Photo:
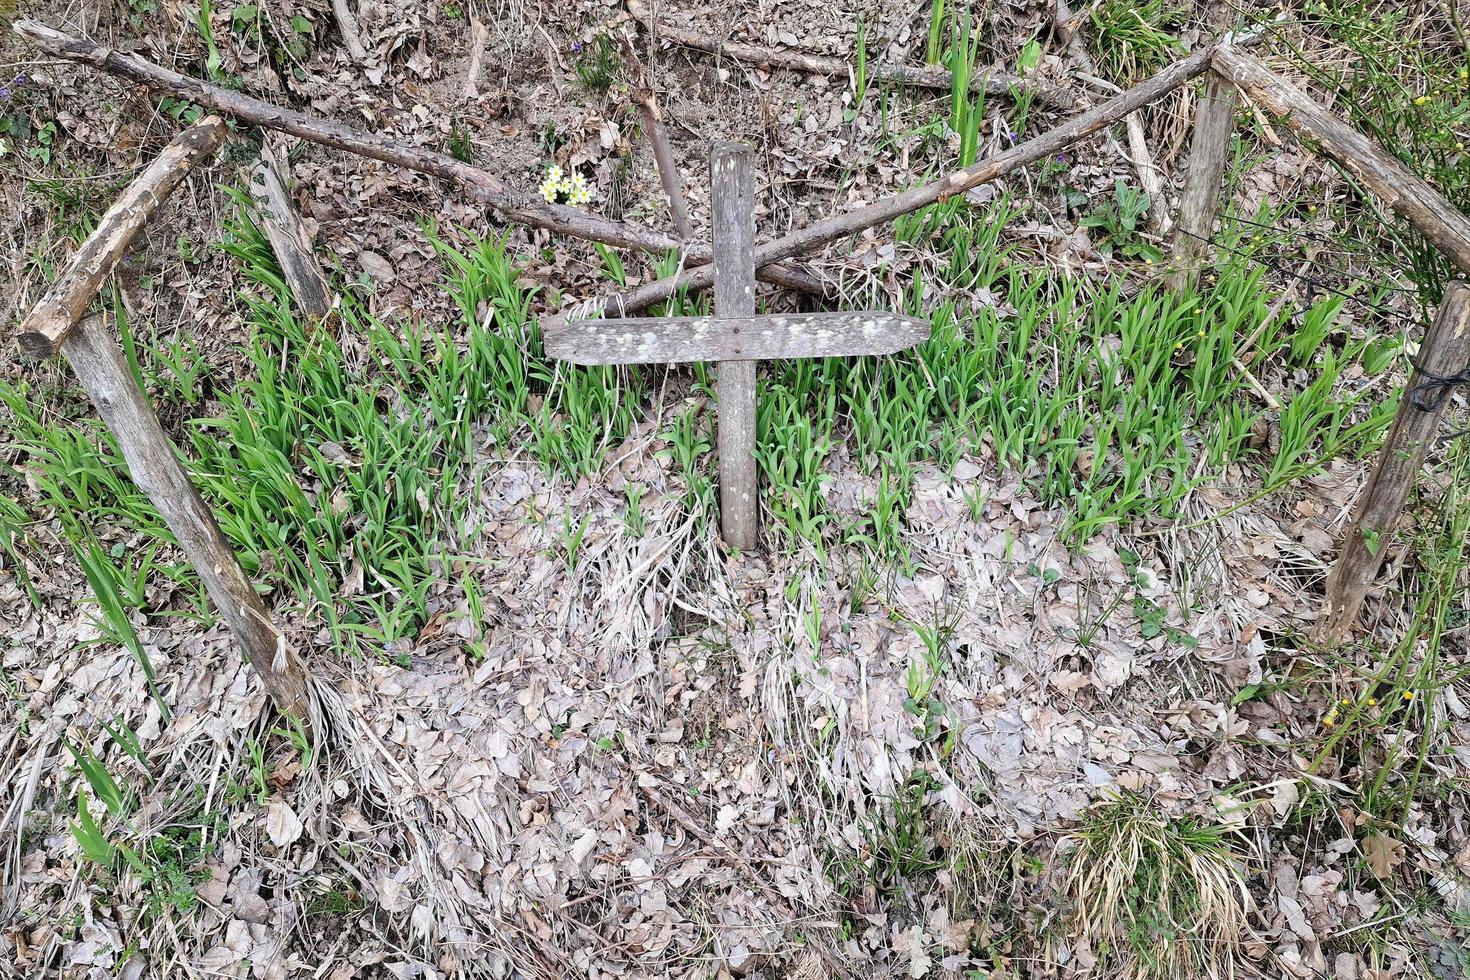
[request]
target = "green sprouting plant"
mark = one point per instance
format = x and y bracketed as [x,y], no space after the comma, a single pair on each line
[203,22]
[932,51]
[1131,39]
[596,64]
[901,847]
[922,676]
[460,146]
[690,449]
[1118,224]
[966,108]
[103,576]
[178,374]
[13,539]
[633,516]
[571,537]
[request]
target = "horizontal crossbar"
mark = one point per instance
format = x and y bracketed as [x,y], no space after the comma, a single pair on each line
[681,339]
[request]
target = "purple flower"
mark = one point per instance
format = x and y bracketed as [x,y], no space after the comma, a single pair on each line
[1012,135]
[4,93]
[576,46]
[1061,158]
[21,80]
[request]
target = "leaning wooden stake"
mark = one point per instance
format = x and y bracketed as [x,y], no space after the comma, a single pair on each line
[510,202]
[1378,171]
[46,327]
[289,240]
[1444,353]
[732,195]
[658,141]
[153,461]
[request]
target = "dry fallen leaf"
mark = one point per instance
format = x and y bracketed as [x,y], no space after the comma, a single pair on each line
[1383,854]
[281,823]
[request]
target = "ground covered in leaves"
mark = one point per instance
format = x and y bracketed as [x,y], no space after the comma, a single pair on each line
[1020,682]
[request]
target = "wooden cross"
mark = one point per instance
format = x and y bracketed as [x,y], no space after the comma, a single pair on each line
[735,337]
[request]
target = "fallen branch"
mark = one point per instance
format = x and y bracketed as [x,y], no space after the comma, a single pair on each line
[991,83]
[1395,184]
[42,332]
[510,203]
[840,226]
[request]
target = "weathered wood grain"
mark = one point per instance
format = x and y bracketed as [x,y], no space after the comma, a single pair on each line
[838,226]
[281,223]
[42,332]
[153,461]
[732,195]
[682,340]
[1209,148]
[510,202]
[1377,170]
[1445,352]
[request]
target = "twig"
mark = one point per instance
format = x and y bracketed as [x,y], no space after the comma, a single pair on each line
[1148,173]
[511,203]
[288,238]
[989,82]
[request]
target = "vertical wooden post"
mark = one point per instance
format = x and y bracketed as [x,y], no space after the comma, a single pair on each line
[732,193]
[1209,146]
[154,464]
[1445,352]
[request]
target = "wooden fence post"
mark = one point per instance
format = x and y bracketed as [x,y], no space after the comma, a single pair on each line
[1444,353]
[732,194]
[1209,146]
[152,460]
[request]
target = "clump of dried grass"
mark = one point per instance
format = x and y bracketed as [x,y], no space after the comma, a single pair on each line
[1156,895]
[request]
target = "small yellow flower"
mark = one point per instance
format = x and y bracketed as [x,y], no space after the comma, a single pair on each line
[554,174]
[1200,334]
[1329,721]
[550,189]
[1408,695]
[1372,702]
[1459,146]
[578,192]
[1421,100]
